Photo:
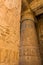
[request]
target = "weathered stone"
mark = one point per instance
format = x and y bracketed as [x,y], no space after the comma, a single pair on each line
[9,31]
[29,51]
[40,35]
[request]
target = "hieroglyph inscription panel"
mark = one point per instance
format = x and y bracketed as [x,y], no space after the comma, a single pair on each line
[9,31]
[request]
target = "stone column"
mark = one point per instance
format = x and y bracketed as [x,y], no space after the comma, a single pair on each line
[9,31]
[40,34]
[29,49]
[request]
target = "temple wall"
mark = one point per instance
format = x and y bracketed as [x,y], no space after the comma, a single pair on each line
[9,31]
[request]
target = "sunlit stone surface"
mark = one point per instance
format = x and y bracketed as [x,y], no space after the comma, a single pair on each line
[9,31]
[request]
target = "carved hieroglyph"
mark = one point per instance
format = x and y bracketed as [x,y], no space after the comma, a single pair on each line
[11,3]
[9,31]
